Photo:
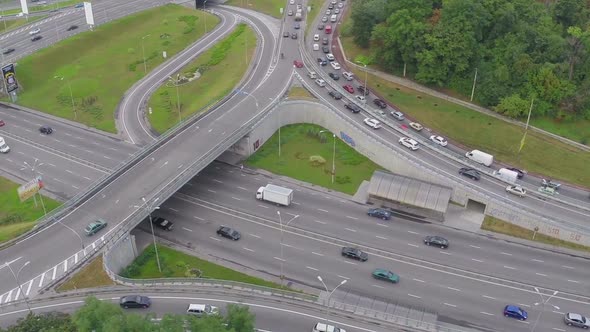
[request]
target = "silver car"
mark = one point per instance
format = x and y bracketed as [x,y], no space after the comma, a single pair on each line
[576,320]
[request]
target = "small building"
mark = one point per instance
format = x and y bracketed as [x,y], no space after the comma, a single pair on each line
[409,195]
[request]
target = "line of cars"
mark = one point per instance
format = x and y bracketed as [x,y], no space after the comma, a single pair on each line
[35,35]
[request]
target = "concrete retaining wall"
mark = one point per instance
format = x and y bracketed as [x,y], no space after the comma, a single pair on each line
[121,254]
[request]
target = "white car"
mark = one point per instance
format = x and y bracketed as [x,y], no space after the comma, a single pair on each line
[416,126]
[438,140]
[381,113]
[372,123]
[330,57]
[409,143]
[291,2]
[362,99]
[516,190]
[316,37]
[336,11]
[335,65]
[328,12]
[340,5]
[320,82]
[34,31]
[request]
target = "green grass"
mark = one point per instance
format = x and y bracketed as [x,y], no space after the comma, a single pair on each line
[176,264]
[39,8]
[503,227]
[91,276]
[302,141]
[221,69]
[298,92]
[577,130]
[269,7]
[15,217]
[315,5]
[13,24]
[100,66]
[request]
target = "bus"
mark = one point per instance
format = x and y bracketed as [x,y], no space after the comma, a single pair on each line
[328,29]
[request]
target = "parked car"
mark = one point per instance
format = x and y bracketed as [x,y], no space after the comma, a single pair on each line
[72,27]
[355,253]
[408,143]
[386,275]
[518,171]
[352,107]
[8,51]
[516,190]
[45,130]
[434,240]
[334,76]
[416,126]
[316,37]
[470,173]
[576,320]
[163,223]
[135,301]
[229,233]
[298,64]
[515,312]
[398,115]
[380,103]
[36,37]
[439,140]
[335,94]
[373,123]
[348,88]
[379,213]
[95,226]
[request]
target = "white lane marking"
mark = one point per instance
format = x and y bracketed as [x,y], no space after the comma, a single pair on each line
[486,313]
[292,214]
[237,199]
[107,157]
[413,245]
[574,281]
[66,265]
[215,180]
[263,206]
[323,210]
[87,178]
[506,253]
[541,274]
[383,225]
[509,267]
[41,280]
[477,260]
[380,237]
[343,277]
[350,230]
[295,203]
[67,170]
[173,209]
[557,329]
[411,232]
[243,188]
[445,252]
[317,253]
[248,249]
[489,297]
[212,191]
[476,247]
[418,280]
[567,267]
[180,166]
[279,259]
[558,312]
[377,286]
[450,305]
[416,296]
[523,305]
[353,218]
[311,268]
[17,293]
[349,262]
[538,261]
[455,289]
[214,238]
[54,272]
[29,288]
[254,235]
[199,218]
[320,222]
[187,229]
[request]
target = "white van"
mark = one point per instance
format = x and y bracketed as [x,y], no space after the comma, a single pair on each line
[333,18]
[480,157]
[506,175]
[202,310]
[3,147]
[321,327]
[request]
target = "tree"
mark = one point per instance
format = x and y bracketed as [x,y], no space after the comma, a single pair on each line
[49,322]
[239,318]
[365,15]
[513,106]
[577,40]
[95,314]
[208,324]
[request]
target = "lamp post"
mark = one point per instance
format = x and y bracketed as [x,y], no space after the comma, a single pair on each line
[282,259]
[18,283]
[149,208]
[61,78]
[333,154]
[329,295]
[143,52]
[175,82]
[365,91]
[543,303]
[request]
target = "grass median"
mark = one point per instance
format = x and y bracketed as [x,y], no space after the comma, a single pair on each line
[101,65]
[205,80]
[90,276]
[18,217]
[306,155]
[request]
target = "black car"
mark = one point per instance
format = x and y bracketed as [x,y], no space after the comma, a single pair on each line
[286,34]
[297,26]
[8,51]
[355,253]
[37,37]
[379,213]
[325,49]
[72,27]
[438,241]
[321,27]
[294,35]
[380,103]
[336,95]
[518,171]
[334,76]
[322,62]
[470,173]
[229,233]
[352,107]
[135,301]
[163,223]
[361,89]
[325,41]
[45,130]
[330,6]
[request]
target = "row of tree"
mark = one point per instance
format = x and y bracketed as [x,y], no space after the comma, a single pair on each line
[102,316]
[521,49]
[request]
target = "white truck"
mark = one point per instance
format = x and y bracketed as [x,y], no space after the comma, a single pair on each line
[298,17]
[275,194]
[3,147]
[506,175]
[480,157]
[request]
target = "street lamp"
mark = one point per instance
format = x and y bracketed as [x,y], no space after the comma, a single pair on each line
[143,52]
[61,78]
[282,259]
[20,288]
[175,83]
[365,91]
[542,303]
[333,154]
[149,208]
[329,295]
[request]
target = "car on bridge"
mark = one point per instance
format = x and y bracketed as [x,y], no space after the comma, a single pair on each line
[135,301]
[515,312]
[95,226]
[470,173]
[435,240]
[335,65]
[229,233]
[382,274]
[355,253]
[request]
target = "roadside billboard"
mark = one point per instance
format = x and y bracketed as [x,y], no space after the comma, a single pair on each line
[9,76]
[88,12]
[24,7]
[29,189]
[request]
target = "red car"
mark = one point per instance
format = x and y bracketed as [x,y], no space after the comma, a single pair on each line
[298,64]
[348,88]
[2,123]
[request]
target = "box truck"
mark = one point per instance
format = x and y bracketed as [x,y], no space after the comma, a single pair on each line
[480,157]
[506,175]
[275,194]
